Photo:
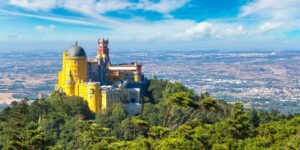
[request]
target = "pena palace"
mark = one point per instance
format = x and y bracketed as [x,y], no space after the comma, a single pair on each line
[98,81]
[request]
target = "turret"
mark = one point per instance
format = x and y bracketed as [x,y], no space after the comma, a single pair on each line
[94,96]
[69,84]
[103,49]
[76,62]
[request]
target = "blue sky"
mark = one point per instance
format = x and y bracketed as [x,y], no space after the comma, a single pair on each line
[150,24]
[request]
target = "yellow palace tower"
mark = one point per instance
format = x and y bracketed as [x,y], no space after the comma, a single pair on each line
[73,77]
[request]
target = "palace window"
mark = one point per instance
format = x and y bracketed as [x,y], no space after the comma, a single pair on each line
[91,91]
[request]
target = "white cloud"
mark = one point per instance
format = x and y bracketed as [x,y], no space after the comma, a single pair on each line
[35,5]
[121,29]
[267,15]
[39,28]
[81,6]
[109,5]
[95,7]
[45,28]
[269,26]
[78,21]
[224,30]
[163,6]
[200,31]
[207,30]
[272,9]
[233,32]
[152,31]
[272,15]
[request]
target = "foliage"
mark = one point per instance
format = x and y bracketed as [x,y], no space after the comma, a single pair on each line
[156,89]
[158,132]
[174,118]
[239,123]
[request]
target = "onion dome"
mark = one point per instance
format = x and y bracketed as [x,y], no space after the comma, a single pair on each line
[76,51]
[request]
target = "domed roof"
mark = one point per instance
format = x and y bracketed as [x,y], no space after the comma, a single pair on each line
[76,51]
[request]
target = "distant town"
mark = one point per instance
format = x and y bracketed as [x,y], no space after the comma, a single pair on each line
[259,79]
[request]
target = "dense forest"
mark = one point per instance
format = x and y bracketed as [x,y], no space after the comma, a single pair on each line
[173,117]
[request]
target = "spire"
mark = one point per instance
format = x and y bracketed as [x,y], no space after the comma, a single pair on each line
[103,50]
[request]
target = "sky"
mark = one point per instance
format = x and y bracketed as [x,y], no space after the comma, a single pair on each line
[150,24]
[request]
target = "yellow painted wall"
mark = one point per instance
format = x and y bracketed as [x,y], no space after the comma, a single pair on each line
[69,89]
[78,67]
[61,77]
[94,97]
[104,100]
[91,92]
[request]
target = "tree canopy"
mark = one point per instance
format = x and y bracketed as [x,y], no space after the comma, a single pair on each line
[175,117]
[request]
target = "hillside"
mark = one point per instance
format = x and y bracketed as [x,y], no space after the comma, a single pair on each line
[173,117]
